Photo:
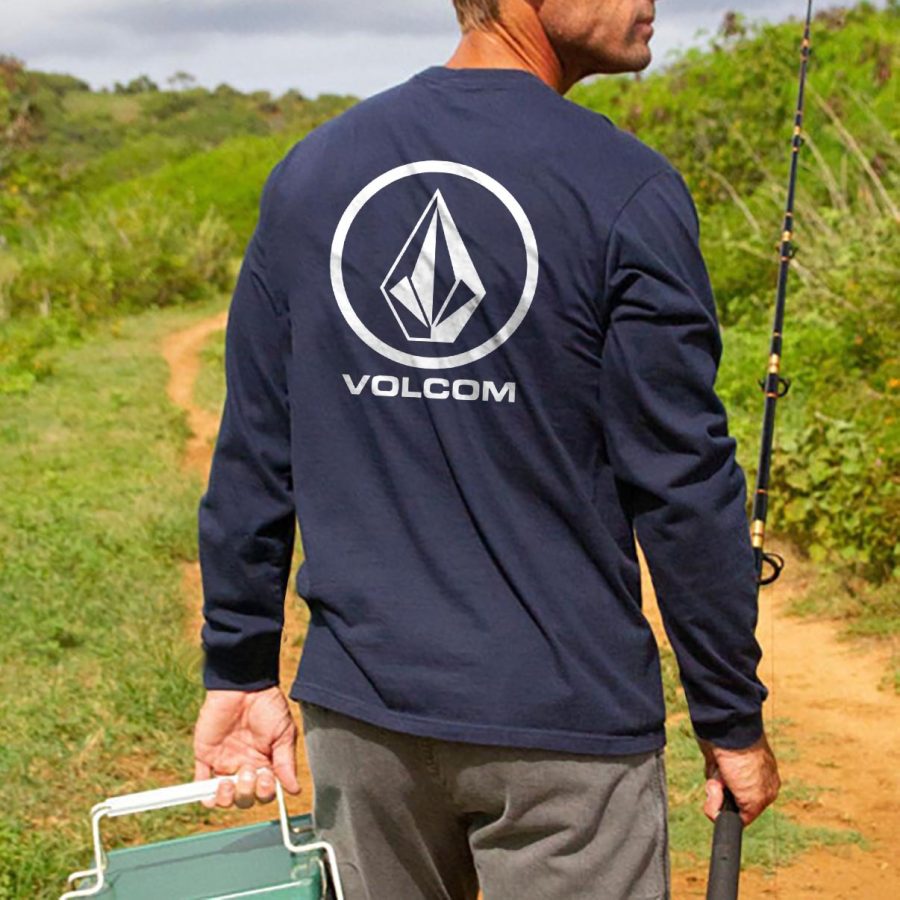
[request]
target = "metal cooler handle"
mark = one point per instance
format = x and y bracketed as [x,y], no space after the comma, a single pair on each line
[192,792]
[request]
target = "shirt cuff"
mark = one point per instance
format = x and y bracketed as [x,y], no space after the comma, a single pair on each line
[229,670]
[733,734]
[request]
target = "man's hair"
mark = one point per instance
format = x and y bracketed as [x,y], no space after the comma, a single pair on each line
[473,14]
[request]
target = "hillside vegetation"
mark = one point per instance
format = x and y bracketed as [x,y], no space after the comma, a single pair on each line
[111,203]
[116,202]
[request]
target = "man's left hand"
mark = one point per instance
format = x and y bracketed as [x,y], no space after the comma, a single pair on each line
[751,774]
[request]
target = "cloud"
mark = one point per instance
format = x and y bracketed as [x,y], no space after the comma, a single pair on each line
[674,9]
[358,46]
[153,18]
[76,43]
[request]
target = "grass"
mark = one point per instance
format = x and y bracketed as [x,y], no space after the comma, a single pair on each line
[98,688]
[209,392]
[229,177]
[868,612]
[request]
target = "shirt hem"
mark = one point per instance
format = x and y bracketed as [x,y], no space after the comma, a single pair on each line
[472,733]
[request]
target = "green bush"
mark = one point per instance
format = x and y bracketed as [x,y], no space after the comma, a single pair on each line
[124,260]
[837,496]
[229,177]
[27,350]
[69,141]
[835,479]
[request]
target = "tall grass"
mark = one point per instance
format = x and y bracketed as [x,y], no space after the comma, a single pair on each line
[123,259]
[116,261]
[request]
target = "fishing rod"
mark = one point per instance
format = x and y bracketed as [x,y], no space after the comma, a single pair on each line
[725,858]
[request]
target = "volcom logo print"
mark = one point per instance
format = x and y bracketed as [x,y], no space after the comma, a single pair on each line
[440,291]
[433,257]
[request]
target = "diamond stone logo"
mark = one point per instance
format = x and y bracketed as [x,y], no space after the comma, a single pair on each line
[433,287]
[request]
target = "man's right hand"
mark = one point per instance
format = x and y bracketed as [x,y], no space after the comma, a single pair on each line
[751,774]
[239,732]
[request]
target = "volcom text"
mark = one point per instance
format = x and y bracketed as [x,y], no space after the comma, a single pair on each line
[431,388]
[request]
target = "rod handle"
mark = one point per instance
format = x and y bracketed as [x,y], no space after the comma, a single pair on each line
[725,859]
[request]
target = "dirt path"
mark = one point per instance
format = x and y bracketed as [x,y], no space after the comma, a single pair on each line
[181,350]
[845,732]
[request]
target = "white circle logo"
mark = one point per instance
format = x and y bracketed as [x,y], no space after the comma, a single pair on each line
[411,296]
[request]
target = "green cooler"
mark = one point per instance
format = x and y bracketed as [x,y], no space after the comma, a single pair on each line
[280,858]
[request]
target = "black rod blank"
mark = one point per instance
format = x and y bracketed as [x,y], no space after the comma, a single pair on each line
[775,386]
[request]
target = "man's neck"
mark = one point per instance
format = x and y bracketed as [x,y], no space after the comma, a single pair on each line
[518,42]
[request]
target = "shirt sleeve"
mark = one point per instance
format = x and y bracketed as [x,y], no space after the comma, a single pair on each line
[667,438]
[246,517]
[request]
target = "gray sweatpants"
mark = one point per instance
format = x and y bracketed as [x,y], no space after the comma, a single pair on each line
[416,818]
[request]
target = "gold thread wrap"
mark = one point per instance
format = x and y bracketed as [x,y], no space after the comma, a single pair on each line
[757,533]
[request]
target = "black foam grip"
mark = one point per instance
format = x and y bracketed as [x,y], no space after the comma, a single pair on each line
[725,860]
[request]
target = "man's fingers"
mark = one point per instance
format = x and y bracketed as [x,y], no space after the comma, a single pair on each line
[284,761]
[242,789]
[201,773]
[749,815]
[751,805]
[752,810]
[265,785]
[225,793]
[245,790]
[715,797]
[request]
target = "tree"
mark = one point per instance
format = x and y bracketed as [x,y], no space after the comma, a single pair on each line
[181,81]
[141,85]
[10,69]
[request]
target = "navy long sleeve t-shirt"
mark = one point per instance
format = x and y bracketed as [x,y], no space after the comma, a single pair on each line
[471,350]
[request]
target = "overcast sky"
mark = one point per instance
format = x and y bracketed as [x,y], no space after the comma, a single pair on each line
[317,46]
